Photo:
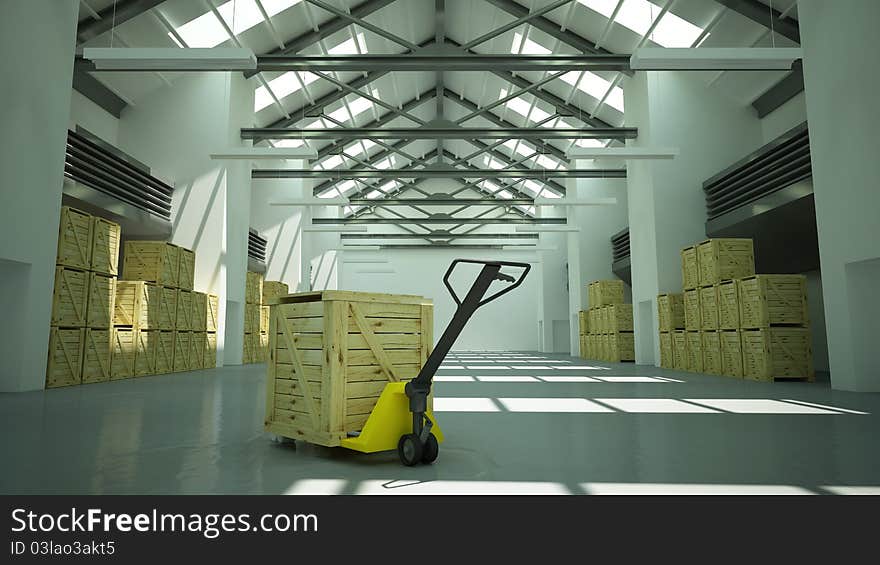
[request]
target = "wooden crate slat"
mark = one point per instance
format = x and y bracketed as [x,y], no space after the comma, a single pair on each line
[96,356]
[122,354]
[105,246]
[64,362]
[74,239]
[101,301]
[70,298]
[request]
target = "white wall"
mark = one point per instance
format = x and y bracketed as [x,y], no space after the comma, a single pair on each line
[280,225]
[510,323]
[666,201]
[782,119]
[37,39]
[839,44]
[173,131]
[85,113]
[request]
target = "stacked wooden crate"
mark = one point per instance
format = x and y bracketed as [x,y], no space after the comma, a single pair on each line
[81,331]
[709,271]
[584,334]
[253,301]
[609,323]
[670,314]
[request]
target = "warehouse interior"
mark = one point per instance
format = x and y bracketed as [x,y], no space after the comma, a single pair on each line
[681,194]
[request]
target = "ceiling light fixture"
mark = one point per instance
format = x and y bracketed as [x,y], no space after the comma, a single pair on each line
[170,59]
[714,59]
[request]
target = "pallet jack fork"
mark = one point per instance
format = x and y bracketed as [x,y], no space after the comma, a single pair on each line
[401,414]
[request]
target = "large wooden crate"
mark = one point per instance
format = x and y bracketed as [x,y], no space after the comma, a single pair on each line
[253,288]
[101,301]
[728,305]
[182,351]
[273,290]
[184,318]
[70,298]
[777,353]
[709,308]
[96,356]
[731,353]
[679,350]
[122,353]
[712,362]
[153,261]
[264,319]
[165,352]
[197,350]
[212,313]
[199,314]
[769,300]
[690,268]
[692,319]
[619,318]
[666,350]
[694,352]
[670,312]
[621,346]
[251,318]
[74,239]
[593,322]
[602,351]
[137,305]
[64,364]
[209,354]
[583,323]
[331,354]
[146,343]
[604,293]
[725,258]
[186,265]
[105,246]
[168,308]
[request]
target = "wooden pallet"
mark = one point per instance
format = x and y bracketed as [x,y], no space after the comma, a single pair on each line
[619,318]
[186,265]
[728,305]
[212,313]
[777,353]
[666,350]
[70,298]
[670,312]
[679,350]
[708,308]
[184,319]
[74,239]
[122,353]
[604,293]
[712,360]
[165,352]
[731,353]
[273,290]
[331,354]
[182,351]
[97,353]
[770,300]
[146,343]
[153,261]
[105,246]
[722,259]
[690,268]
[694,352]
[101,301]
[253,288]
[692,318]
[64,366]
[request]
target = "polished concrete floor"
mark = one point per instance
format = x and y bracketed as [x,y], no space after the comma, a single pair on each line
[514,423]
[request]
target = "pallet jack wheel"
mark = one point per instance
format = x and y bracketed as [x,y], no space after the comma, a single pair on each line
[431,450]
[410,450]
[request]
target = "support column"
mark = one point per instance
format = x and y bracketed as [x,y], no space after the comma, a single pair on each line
[38,39]
[667,209]
[839,60]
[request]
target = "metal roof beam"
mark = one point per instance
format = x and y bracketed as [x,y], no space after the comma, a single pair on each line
[429,132]
[766,16]
[114,15]
[439,173]
[439,219]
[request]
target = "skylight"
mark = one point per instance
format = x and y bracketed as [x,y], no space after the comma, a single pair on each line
[358,106]
[286,84]
[240,15]
[638,15]
[590,83]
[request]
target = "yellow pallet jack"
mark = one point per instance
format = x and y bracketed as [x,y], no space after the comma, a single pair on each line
[401,417]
